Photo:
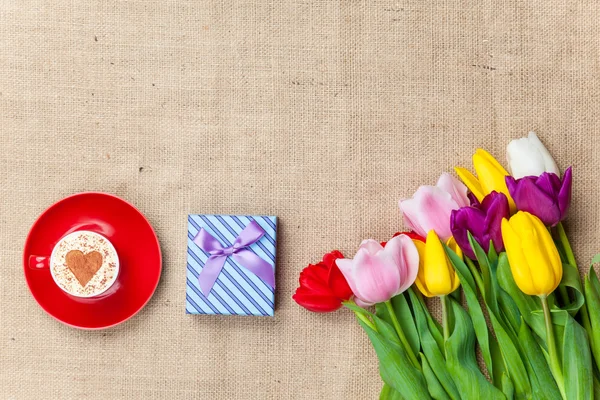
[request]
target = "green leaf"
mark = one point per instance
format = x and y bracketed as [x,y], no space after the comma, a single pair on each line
[498,365]
[436,390]
[455,295]
[388,393]
[475,311]
[509,310]
[405,319]
[360,310]
[542,381]
[394,365]
[512,358]
[434,327]
[431,350]
[577,362]
[596,259]
[594,279]
[507,340]
[572,279]
[488,275]
[475,273]
[529,306]
[592,296]
[596,388]
[461,361]
[492,254]
[386,330]
[507,386]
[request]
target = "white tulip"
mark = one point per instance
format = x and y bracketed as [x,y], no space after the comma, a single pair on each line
[528,157]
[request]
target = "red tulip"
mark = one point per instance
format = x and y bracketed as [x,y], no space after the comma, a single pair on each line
[323,288]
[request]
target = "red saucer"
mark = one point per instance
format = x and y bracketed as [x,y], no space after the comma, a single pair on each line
[135,242]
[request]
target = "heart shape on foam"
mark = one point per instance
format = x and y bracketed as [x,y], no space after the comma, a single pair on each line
[83,266]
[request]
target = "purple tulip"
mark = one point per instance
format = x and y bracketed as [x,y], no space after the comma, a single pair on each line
[483,220]
[546,196]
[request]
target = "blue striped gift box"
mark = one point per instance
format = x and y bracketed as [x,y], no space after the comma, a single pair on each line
[237,291]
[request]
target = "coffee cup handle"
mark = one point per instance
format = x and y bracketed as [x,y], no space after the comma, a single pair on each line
[39,262]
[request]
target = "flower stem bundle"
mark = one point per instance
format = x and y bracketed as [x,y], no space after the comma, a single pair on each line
[492,253]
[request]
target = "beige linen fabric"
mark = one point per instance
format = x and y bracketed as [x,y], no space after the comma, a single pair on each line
[324,113]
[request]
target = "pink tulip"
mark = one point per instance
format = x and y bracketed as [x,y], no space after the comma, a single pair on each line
[431,206]
[377,273]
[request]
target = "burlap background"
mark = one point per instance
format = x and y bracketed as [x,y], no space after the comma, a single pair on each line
[323,113]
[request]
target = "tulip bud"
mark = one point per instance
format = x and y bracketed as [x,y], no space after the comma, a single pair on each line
[529,157]
[436,276]
[490,177]
[483,221]
[323,288]
[532,254]
[430,207]
[378,273]
[545,196]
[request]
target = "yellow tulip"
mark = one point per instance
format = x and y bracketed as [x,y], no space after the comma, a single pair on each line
[532,254]
[436,276]
[490,177]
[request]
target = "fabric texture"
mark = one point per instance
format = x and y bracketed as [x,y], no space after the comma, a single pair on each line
[323,113]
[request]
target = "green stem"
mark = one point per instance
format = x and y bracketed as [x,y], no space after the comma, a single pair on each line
[366,320]
[476,275]
[350,304]
[555,364]
[400,332]
[564,295]
[445,321]
[564,240]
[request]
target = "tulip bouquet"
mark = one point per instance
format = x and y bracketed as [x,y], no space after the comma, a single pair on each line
[493,253]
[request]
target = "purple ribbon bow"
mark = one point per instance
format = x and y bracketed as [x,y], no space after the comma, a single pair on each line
[239,252]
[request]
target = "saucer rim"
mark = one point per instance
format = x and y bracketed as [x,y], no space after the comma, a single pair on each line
[26,259]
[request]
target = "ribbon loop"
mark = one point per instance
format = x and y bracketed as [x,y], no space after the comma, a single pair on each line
[238,251]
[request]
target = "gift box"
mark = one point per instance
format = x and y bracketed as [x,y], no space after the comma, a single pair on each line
[231,265]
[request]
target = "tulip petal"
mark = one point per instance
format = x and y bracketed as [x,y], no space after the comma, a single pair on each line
[362,303]
[346,267]
[465,220]
[550,251]
[329,258]
[316,302]
[564,196]
[377,277]
[406,257]
[410,212]
[537,255]
[314,278]
[437,274]
[337,284]
[548,161]
[483,158]
[532,199]
[524,158]
[457,190]
[518,264]
[420,280]
[471,181]
[453,245]
[429,209]
[455,282]
[371,246]
[491,175]
[495,206]
[473,199]
[549,183]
